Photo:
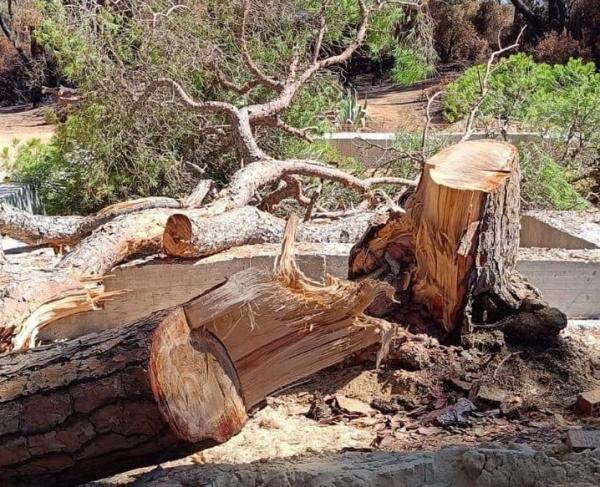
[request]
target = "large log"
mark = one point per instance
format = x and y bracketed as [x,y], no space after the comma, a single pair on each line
[452,255]
[94,406]
[175,382]
[193,234]
[32,298]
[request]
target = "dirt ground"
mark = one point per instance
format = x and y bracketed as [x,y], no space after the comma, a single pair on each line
[392,108]
[18,125]
[413,404]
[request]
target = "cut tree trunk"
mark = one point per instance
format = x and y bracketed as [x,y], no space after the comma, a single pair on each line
[59,231]
[452,255]
[175,382]
[108,402]
[33,298]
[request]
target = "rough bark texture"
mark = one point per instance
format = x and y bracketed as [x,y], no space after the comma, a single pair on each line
[113,242]
[452,256]
[177,381]
[193,235]
[68,230]
[107,402]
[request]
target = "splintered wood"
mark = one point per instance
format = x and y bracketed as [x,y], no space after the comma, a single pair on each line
[453,252]
[282,326]
[177,381]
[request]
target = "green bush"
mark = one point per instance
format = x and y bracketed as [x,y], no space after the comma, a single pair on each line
[561,101]
[410,67]
[112,150]
[545,184]
[538,95]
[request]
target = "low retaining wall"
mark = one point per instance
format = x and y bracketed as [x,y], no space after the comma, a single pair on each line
[571,285]
[372,147]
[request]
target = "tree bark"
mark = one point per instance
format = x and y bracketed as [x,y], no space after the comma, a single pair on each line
[59,231]
[452,256]
[177,381]
[87,408]
[192,235]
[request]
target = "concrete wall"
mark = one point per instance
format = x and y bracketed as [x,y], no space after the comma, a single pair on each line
[572,286]
[536,233]
[371,148]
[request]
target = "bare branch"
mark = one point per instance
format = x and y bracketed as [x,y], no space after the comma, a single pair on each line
[319,42]
[484,84]
[313,202]
[289,187]
[289,91]
[246,181]
[296,132]
[204,106]
[430,100]
[240,90]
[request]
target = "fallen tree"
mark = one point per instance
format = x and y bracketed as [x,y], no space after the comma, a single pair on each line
[99,242]
[449,257]
[177,381]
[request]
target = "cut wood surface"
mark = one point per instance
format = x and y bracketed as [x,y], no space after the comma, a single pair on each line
[142,394]
[194,235]
[177,381]
[454,251]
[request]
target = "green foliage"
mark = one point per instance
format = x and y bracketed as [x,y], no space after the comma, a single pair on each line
[353,112]
[112,149]
[410,67]
[559,98]
[512,86]
[562,101]
[545,183]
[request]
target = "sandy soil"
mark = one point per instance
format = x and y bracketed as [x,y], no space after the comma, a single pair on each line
[526,398]
[18,125]
[391,108]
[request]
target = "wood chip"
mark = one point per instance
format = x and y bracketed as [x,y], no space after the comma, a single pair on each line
[354,405]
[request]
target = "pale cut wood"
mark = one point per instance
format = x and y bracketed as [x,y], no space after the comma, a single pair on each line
[454,251]
[33,298]
[108,402]
[280,327]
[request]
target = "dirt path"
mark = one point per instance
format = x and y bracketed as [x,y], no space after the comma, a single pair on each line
[391,108]
[18,125]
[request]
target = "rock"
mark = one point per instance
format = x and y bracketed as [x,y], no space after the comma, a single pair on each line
[452,415]
[429,430]
[579,439]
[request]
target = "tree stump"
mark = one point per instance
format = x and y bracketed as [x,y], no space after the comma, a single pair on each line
[451,257]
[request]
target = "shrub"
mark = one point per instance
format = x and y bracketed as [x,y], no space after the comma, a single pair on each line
[113,150]
[545,184]
[562,101]
[410,67]
[455,36]
[558,47]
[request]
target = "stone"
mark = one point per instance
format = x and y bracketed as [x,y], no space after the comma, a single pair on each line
[579,439]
